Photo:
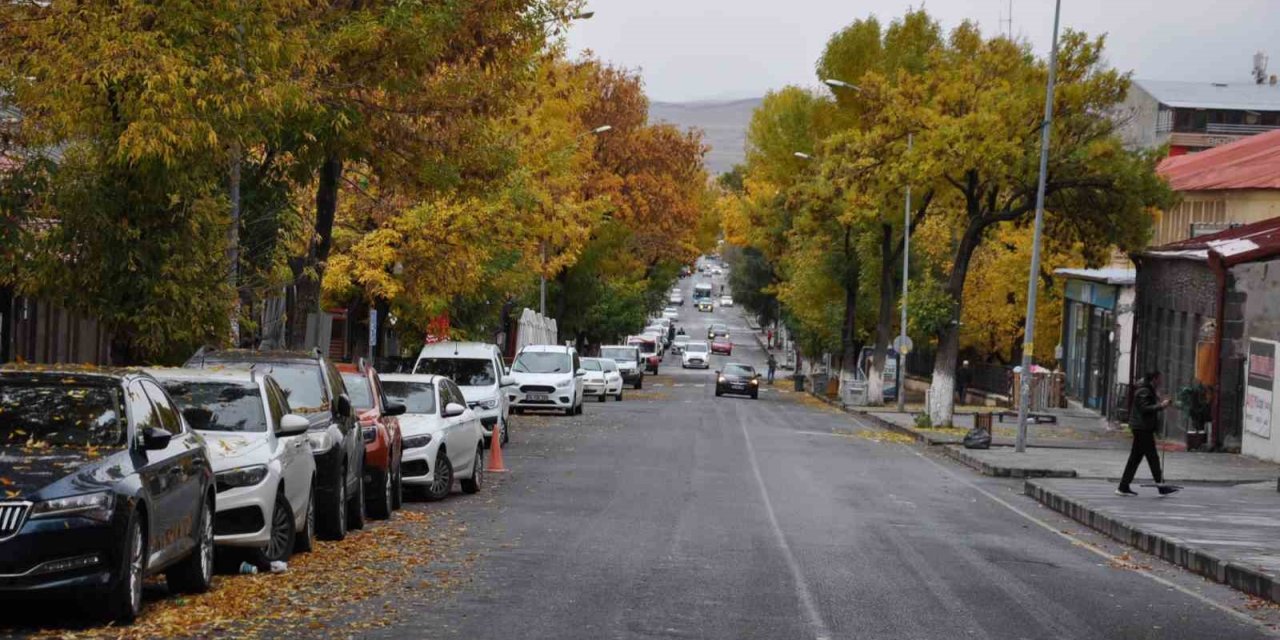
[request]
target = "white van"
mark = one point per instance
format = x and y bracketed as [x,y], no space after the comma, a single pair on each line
[547,376]
[476,367]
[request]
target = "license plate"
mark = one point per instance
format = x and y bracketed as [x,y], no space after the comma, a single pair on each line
[536,397]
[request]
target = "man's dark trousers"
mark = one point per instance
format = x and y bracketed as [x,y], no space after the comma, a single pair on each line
[1144,445]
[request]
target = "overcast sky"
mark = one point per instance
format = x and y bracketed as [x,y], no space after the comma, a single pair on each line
[715,49]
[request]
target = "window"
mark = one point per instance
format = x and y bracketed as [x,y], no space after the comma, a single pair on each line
[169,419]
[62,416]
[276,402]
[468,372]
[417,397]
[455,395]
[220,406]
[543,362]
[302,386]
[144,415]
[358,390]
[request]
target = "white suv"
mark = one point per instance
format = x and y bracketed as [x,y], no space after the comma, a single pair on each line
[476,367]
[547,376]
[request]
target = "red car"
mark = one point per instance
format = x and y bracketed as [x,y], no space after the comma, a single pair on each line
[382,441]
[721,344]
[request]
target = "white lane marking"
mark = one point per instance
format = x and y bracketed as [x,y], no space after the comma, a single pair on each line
[700,386]
[802,588]
[1082,543]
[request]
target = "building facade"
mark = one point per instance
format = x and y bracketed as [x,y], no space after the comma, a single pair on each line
[1097,326]
[1195,116]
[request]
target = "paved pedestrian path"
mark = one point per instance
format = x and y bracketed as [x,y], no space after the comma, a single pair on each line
[1227,533]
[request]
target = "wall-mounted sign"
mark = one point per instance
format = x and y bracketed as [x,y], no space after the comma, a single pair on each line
[1261,373]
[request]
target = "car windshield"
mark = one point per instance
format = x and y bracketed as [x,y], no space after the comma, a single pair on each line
[696,347]
[219,406]
[38,416]
[646,346]
[358,390]
[591,364]
[608,365]
[301,383]
[417,397]
[466,372]
[620,354]
[542,362]
[739,370]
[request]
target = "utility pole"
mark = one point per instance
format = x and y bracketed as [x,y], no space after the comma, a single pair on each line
[542,287]
[906,262]
[1028,345]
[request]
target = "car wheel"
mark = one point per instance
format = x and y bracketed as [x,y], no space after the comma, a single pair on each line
[194,573]
[473,484]
[334,516]
[397,490]
[718,392]
[639,383]
[355,510]
[619,396]
[442,479]
[283,534]
[755,395]
[581,404]
[603,397]
[380,502]
[124,600]
[506,432]
[306,539]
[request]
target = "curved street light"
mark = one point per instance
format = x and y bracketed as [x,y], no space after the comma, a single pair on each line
[841,84]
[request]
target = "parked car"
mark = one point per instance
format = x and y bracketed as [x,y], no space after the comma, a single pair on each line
[705,305]
[263,469]
[717,329]
[676,299]
[697,355]
[671,313]
[648,346]
[738,379]
[106,485]
[630,363]
[547,376]
[443,440]
[316,391]
[678,345]
[476,367]
[722,345]
[382,440]
[726,301]
[602,378]
[659,332]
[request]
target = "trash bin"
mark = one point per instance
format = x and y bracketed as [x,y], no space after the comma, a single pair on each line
[855,393]
[799,380]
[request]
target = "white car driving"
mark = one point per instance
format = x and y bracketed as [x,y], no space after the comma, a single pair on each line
[261,457]
[726,301]
[476,367]
[442,437]
[697,355]
[679,343]
[602,378]
[547,376]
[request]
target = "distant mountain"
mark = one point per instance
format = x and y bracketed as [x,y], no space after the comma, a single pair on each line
[723,121]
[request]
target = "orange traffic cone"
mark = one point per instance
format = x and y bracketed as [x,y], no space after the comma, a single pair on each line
[495,451]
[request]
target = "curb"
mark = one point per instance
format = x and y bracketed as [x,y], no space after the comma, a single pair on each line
[1242,577]
[997,471]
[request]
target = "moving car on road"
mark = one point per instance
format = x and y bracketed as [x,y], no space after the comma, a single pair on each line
[547,376]
[697,355]
[442,437]
[678,344]
[630,363]
[676,299]
[105,485]
[717,329]
[263,468]
[670,313]
[722,345]
[476,367]
[382,441]
[316,391]
[602,378]
[705,306]
[726,301]
[738,379]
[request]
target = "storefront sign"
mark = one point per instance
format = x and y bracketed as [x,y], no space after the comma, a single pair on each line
[1261,387]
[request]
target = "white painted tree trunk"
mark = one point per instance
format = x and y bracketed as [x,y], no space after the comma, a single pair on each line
[875,383]
[942,388]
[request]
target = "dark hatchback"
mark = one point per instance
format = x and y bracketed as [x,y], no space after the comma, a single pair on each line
[102,484]
[738,379]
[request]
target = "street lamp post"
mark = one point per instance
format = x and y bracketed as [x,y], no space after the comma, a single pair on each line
[542,246]
[1028,344]
[906,263]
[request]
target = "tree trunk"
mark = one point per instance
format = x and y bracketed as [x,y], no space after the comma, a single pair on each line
[942,387]
[308,270]
[884,318]
[853,269]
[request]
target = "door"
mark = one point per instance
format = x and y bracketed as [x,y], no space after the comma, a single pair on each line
[352,437]
[294,453]
[459,437]
[185,464]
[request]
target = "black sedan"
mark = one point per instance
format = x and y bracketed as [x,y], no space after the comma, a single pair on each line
[103,484]
[738,379]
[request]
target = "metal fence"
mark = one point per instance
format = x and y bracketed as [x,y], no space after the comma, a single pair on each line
[987,377]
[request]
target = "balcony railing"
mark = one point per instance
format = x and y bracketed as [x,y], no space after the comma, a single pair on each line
[1239,129]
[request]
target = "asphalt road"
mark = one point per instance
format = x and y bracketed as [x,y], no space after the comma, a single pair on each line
[677,514]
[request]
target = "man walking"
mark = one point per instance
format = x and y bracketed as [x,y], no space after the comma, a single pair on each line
[1144,421]
[773,365]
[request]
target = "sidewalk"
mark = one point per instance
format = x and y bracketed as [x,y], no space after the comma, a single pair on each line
[1071,431]
[1227,533]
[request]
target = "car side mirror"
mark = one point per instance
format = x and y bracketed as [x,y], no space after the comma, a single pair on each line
[342,408]
[393,409]
[453,410]
[154,438]
[508,381]
[293,424]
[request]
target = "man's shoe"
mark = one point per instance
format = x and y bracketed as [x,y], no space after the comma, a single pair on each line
[1126,492]
[1168,489]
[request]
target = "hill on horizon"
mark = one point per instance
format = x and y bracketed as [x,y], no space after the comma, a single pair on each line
[723,121]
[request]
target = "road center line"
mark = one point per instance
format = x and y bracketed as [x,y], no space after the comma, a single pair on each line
[802,588]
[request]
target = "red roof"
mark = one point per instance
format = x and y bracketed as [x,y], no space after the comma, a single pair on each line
[1246,243]
[1249,163]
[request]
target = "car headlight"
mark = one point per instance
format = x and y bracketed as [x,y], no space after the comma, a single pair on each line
[721,379]
[321,441]
[242,477]
[564,383]
[754,381]
[488,404]
[370,434]
[94,506]
[417,442]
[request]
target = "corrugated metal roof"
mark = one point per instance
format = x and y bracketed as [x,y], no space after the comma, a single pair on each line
[1236,245]
[1112,275]
[1248,163]
[1213,95]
